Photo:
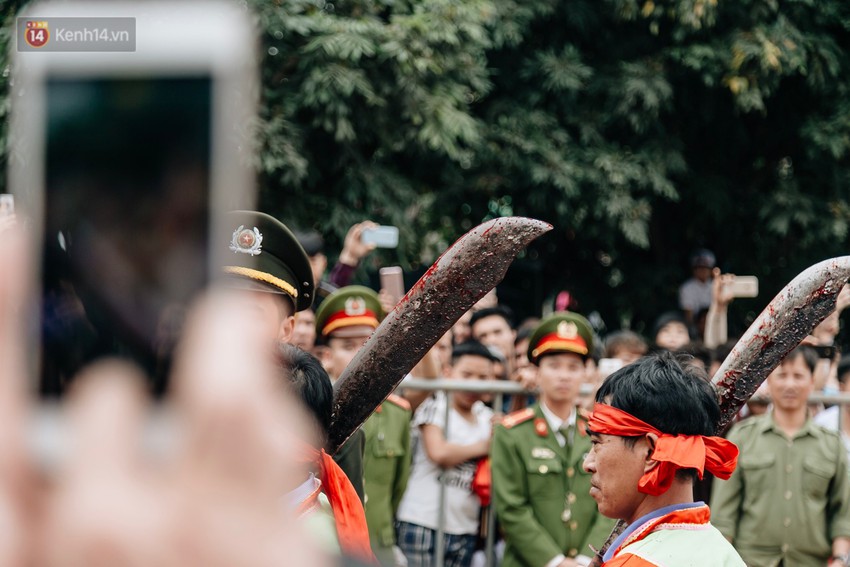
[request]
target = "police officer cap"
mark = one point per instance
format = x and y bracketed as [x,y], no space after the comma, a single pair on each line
[263,251]
[350,306]
[561,332]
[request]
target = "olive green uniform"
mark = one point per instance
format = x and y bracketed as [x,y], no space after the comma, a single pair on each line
[541,492]
[788,499]
[349,457]
[386,464]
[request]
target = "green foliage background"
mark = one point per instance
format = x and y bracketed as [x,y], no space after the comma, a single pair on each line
[641,130]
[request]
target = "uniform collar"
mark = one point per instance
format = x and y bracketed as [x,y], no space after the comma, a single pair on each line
[769,425]
[555,422]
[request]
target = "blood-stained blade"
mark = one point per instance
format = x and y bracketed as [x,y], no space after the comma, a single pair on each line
[465,272]
[787,319]
[801,305]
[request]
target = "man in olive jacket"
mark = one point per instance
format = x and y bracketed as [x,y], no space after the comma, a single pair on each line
[540,490]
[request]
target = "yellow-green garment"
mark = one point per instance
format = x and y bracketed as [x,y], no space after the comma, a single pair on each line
[788,498]
[533,479]
[386,467]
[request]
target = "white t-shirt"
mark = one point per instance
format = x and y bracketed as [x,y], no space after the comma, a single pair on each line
[695,295]
[421,502]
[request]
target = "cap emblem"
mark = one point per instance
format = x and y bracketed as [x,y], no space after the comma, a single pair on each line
[246,240]
[567,330]
[355,306]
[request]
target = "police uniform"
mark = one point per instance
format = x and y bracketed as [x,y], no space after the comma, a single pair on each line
[541,492]
[386,463]
[352,306]
[258,253]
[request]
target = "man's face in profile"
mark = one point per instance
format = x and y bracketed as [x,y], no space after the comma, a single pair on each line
[271,313]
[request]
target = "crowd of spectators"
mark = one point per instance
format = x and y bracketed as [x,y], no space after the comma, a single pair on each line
[817,493]
[426,464]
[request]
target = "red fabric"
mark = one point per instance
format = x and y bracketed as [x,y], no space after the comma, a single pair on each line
[349,516]
[713,454]
[482,481]
[629,560]
[342,319]
[554,341]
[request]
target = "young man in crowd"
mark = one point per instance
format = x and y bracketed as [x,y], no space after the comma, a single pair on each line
[492,327]
[345,321]
[670,332]
[626,346]
[326,502]
[652,433]
[695,293]
[446,452]
[540,490]
[788,503]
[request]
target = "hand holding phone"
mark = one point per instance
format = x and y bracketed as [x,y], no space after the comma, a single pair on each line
[392,282]
[744,286]
[380,236]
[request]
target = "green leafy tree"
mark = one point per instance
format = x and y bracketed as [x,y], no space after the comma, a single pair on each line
[640,129]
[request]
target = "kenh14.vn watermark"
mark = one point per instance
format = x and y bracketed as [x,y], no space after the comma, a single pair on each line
[76,34]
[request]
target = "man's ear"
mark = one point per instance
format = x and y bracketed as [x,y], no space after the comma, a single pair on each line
[284,332]
[649,442]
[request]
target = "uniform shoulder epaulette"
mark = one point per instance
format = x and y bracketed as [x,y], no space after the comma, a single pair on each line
[399,401]
[517,417]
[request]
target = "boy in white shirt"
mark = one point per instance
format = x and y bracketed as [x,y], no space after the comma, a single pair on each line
[447,453]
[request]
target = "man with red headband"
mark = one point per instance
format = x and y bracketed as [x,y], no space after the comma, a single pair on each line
[652,435]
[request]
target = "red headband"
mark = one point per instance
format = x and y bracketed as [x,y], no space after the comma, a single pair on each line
[714,454]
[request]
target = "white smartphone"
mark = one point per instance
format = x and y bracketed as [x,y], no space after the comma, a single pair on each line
[744,286]
[381,236]
[126,156]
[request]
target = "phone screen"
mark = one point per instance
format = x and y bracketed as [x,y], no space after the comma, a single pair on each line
[126,209]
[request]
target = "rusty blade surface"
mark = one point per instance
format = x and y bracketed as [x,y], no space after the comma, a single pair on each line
[787,319]
[466,271]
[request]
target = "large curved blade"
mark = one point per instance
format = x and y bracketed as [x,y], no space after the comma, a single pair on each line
[470,268]
[787,319]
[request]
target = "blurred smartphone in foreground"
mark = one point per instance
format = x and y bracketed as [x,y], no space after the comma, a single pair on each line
[381,236]
[392,281]
[744,286]
[124,161]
